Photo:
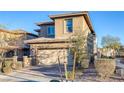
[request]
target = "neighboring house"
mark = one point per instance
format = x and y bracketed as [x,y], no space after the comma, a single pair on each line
[53,38]
[24,48]
[121,52]
[106,52]
[20,49]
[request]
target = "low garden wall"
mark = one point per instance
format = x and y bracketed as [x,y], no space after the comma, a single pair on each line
[9,64]
[26,61]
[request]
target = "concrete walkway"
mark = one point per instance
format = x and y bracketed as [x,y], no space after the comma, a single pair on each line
[32,74]
[119,64]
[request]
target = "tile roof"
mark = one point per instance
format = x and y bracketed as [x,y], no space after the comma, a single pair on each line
[45,23]
[21,31]
[45,40]
[68,14]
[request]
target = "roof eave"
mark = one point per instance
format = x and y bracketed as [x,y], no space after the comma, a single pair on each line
[67,15]
[87,18]
[44,23]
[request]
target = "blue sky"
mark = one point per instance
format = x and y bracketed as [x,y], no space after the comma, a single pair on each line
[108,23]
[104,23]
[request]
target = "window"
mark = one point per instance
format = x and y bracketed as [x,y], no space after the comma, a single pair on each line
[69,25]
[51,31]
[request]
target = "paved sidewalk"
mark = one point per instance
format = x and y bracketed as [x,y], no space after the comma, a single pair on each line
[119,64]
[32,74]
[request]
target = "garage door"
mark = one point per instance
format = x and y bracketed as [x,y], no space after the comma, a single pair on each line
[50,56]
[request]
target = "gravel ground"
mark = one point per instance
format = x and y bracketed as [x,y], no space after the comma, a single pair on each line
[98,79]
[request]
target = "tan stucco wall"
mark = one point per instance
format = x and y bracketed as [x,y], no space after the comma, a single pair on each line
[86,28]
[79,24]
[60,29]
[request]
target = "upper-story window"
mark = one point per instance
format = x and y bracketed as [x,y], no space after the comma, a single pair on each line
[51,31]
[69,25]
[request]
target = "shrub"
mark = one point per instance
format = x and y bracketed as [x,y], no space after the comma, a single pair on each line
[17,66]
[69,75]
[85,63]
[0,65]
[7,70]
[7,64]
[6,67]
[105,67]
[1,61]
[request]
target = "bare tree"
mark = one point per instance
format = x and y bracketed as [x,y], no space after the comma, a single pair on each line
[111,42]
[77,48]
[8,43]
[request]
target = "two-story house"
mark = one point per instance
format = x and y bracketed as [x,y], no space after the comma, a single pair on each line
[53,38]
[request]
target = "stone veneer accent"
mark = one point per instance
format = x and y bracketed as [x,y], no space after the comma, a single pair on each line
[48,53]
[50,56]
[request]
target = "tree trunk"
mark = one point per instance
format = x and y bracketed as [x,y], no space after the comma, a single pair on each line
[66,72]
[59,65]
[74,66]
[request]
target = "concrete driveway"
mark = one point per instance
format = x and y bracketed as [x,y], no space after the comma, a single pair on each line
[32,74]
